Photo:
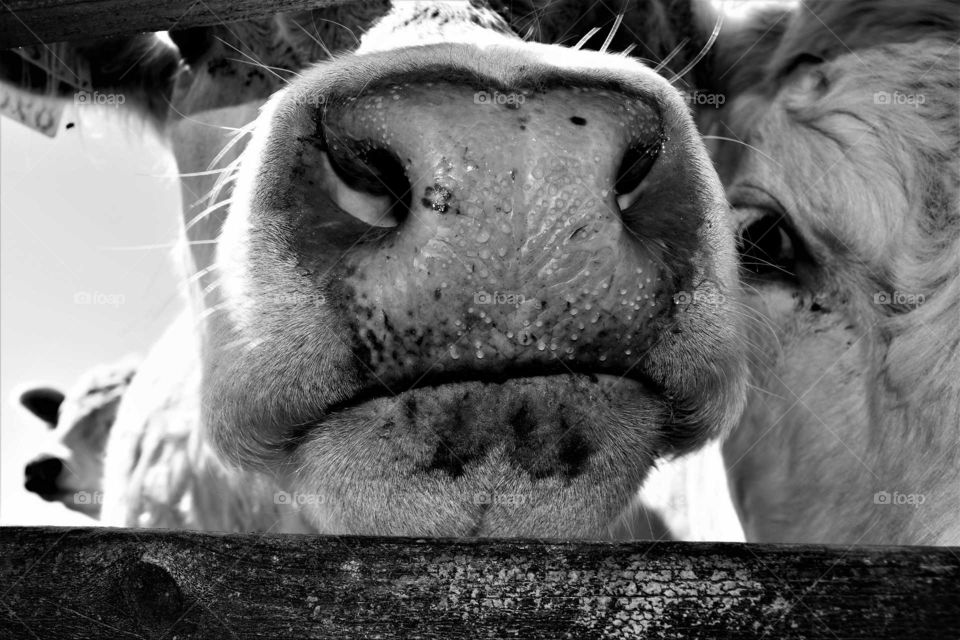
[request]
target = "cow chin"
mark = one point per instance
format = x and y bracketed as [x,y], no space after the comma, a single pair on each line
[552,456]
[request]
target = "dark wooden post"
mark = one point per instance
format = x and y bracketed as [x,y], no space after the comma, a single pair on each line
[94,583]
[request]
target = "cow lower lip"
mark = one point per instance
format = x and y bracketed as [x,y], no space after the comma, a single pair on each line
[485,411]
[457,455]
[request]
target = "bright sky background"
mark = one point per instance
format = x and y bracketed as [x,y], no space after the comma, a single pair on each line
[68,206]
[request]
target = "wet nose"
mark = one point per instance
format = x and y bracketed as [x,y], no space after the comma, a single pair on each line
[41,475]
[484,229]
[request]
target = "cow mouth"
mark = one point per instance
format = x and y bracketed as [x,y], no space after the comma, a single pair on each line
[580,377]
[502,455]
[544,423]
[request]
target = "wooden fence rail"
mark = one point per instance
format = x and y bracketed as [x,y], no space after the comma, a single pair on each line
[95,583]
[25,22]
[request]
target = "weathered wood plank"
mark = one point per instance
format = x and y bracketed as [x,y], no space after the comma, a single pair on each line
[43,21]
[94,583]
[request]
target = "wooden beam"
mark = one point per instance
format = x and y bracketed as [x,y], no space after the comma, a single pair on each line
[91,583]
[25,22]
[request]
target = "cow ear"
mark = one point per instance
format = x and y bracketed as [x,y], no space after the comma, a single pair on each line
[133,72]
[43,402]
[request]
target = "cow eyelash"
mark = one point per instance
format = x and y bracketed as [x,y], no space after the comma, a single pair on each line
[770,248]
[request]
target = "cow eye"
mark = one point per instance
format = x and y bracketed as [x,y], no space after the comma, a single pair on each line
[769,247]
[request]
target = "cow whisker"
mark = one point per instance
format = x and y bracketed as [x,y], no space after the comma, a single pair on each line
[613,32]
[745,144]
[206,212]
[663,63]
[586,38]
[342,26]
[255,62]
[703,52]
[315,39]
[245,130]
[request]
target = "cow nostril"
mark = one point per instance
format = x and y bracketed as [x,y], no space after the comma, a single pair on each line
[41,475]
[636,164]
[368,182]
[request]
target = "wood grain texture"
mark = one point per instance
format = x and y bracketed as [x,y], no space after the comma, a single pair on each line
[96,583]
[43,21]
